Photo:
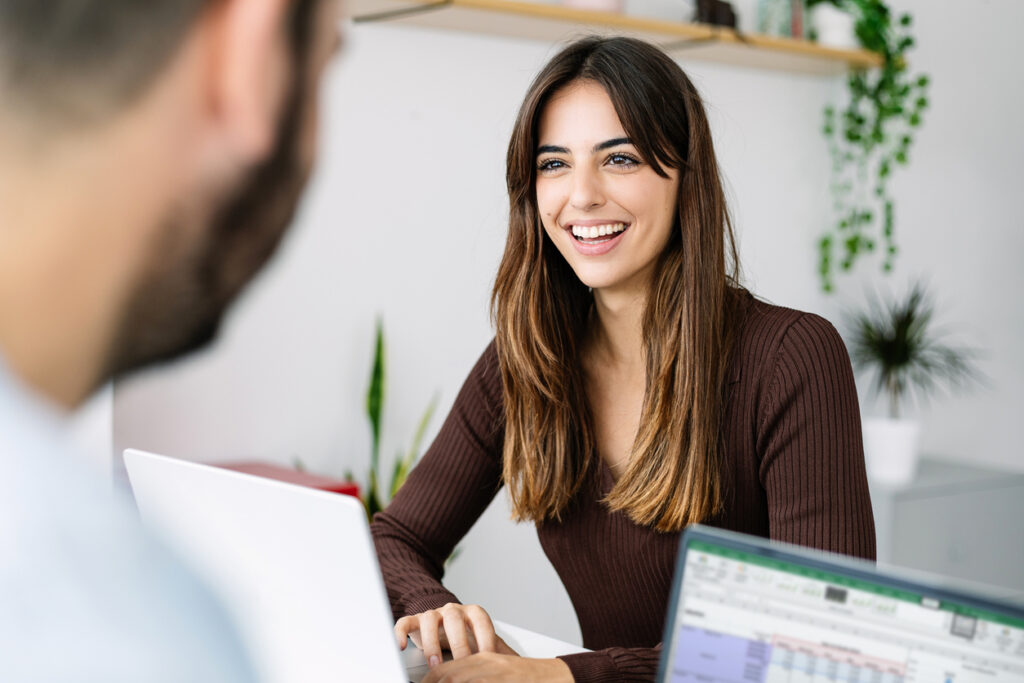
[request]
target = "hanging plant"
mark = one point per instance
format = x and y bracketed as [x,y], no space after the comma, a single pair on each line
[869,139]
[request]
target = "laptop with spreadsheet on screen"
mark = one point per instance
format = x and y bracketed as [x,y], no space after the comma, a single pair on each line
[747,610]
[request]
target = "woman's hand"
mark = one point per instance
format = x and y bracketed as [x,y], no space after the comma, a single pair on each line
[462,629]
[488,666]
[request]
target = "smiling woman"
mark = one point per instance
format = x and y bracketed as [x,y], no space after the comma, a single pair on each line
[633,387]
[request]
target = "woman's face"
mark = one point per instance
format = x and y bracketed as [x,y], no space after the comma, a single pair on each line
[604,207]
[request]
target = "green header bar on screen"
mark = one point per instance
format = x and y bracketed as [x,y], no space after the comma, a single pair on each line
[847,582]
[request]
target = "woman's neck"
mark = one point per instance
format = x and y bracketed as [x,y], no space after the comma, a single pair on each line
[617,333]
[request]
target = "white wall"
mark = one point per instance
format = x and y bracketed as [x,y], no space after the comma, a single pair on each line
[959,224]
[406,219]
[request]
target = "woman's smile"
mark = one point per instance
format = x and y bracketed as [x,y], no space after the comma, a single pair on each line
[596,237]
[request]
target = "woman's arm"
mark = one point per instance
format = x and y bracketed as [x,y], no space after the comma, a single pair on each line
[809,438]
[444,495]
[615,664]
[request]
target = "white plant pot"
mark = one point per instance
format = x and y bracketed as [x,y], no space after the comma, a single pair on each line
[597,5]
[890,449]
[834,27]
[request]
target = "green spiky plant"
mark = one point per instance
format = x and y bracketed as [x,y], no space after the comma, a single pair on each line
[897,341]
[404,462]
[869,139]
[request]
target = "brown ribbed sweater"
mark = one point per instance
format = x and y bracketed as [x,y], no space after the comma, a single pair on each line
[794,470]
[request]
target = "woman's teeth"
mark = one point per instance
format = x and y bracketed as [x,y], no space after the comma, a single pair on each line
[595,231]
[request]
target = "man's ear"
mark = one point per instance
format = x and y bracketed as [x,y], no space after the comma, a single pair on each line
[250,71]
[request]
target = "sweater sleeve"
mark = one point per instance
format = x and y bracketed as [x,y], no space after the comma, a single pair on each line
[615,665]
[810,441]
[444,495]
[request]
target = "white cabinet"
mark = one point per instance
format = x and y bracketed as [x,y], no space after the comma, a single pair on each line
[955,520]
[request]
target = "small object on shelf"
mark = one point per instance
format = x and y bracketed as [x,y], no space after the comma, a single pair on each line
[775,17]
[665,10]
[833,27]
[796,19]
[715,12]
[290,476]
[596,5]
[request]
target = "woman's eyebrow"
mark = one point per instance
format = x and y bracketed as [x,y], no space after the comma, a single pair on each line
[555,149]
[614,142]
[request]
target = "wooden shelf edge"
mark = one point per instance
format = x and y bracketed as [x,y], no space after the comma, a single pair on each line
[686,34]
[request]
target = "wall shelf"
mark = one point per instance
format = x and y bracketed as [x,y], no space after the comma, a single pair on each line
[557,23]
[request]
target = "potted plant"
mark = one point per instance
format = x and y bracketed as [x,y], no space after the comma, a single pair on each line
[898,343]
[868,139]
[404,462]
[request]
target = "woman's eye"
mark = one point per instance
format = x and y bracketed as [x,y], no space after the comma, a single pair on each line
[623,160]
[550,165]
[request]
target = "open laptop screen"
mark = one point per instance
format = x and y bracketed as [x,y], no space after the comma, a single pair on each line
[757,614]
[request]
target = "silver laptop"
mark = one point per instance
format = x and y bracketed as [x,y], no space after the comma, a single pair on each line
[747,610]
[295,566]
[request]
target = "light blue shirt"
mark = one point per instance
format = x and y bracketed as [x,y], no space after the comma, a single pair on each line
[86,594]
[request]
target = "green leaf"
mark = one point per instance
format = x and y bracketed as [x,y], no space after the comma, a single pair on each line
[399,472]
[405,463]
[371,500]
[375,395]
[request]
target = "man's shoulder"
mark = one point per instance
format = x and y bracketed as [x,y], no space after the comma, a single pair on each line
[88,592]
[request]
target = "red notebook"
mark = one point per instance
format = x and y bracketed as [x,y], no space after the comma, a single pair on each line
[313,481]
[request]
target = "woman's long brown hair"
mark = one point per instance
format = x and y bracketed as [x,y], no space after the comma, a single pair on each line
[541,309]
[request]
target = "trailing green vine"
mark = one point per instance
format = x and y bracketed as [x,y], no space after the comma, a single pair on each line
[868,139]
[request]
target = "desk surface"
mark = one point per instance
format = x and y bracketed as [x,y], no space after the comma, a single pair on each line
[526,643]
[530,644]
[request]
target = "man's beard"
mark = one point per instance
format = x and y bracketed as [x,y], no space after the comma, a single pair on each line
[179,306]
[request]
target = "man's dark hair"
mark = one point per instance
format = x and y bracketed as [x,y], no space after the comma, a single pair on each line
[78,60]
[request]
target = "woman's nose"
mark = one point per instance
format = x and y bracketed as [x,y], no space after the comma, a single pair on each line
[586,190]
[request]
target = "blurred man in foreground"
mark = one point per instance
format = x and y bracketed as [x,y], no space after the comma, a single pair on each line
[151,156]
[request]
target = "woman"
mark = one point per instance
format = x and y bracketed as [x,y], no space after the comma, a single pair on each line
[632,388]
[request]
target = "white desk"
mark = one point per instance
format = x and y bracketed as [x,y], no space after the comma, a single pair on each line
[526,643]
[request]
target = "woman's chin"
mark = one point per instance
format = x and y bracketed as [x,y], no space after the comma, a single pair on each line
[599,281]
